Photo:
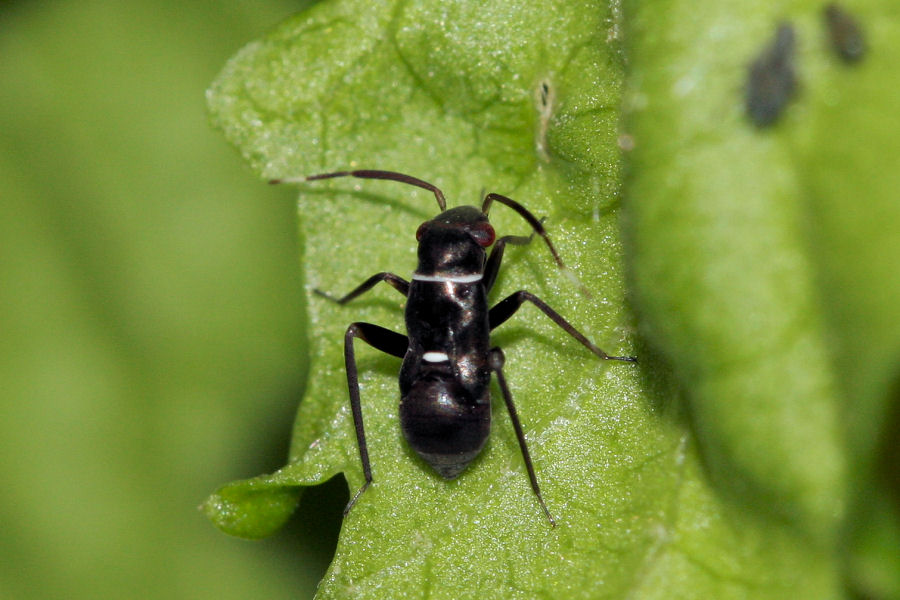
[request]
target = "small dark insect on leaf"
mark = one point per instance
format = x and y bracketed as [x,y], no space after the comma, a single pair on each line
[448,357]
[845,34]
[771,80]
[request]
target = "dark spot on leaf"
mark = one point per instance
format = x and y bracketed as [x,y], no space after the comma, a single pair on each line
[771,80]
[546,100]
[844,33]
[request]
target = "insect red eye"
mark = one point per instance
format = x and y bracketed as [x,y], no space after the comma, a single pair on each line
[483,234]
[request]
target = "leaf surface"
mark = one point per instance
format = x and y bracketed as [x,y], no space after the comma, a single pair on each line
[738,491]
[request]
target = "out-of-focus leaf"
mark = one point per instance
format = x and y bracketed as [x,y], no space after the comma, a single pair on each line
[778,251]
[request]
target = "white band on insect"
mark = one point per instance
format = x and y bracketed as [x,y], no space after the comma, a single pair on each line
[435,357]
[448,278]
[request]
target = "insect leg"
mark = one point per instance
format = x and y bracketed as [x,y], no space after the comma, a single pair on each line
[497,359]
[398,283]
[492,268]
[504,309]
[382,339]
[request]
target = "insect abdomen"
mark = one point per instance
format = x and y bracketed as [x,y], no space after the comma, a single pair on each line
[443,424]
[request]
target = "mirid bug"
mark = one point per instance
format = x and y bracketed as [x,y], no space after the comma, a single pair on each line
[445,403]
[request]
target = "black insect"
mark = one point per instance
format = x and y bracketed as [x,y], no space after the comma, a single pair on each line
[445,403]
[846,35]
[771,79]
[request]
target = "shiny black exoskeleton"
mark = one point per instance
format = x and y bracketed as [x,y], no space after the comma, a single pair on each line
[445,402]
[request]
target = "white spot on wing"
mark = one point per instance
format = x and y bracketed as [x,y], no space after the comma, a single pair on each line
[435,357]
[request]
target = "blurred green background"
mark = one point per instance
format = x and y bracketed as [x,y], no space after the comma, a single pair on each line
[150,309]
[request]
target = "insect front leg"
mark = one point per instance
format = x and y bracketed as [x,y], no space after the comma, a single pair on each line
[395,281]
[496,360]
[388,342]
[504,309]
[492,268]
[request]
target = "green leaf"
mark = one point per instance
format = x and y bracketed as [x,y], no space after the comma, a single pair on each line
[740,490]
[778,251]
[252,508]
[719,220]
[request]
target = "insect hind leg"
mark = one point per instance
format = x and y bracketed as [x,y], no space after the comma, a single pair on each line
[388,342]
[497,359]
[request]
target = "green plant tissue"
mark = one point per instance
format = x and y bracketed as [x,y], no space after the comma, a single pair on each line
[718,466]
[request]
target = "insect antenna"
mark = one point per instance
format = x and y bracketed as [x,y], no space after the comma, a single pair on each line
[537,225]
[370,174]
